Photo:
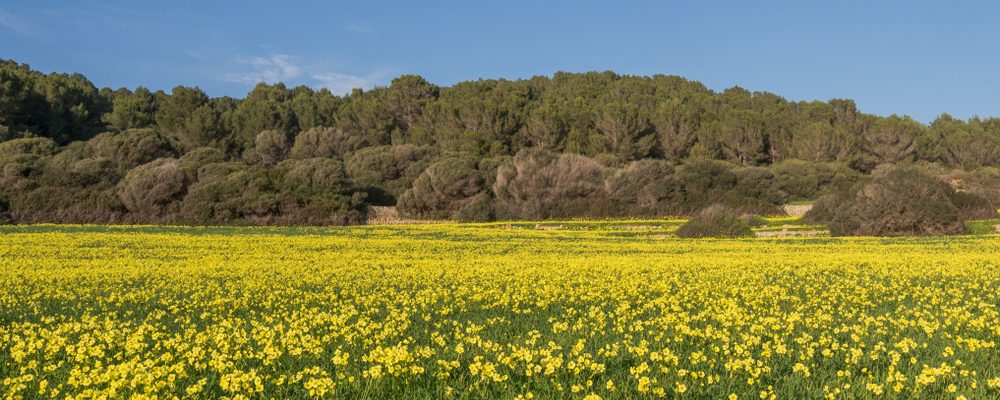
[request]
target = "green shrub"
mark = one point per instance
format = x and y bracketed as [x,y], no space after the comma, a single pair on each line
[326,142]
[706,182]
[983,182]
[20,158]
[76,166]
[478,209]
[702,179]
[748,205]
[270,147]
[755,221]
[442,189]
[68,205]
[313,177]
[823,209]
[757,183]
[973,207]
[228,192]
[538,184]
[899,202]
[154,189]
[193,160]
[643,188]
[131,148]
[385,172]
[715,221]
[34,146]
[803,180]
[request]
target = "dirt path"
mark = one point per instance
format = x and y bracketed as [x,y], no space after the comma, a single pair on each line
[790,233]
[382,215]
[797,210]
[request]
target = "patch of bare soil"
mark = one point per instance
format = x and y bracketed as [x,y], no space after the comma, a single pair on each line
[636,227]
[789,233]
[797,210]
[383,215]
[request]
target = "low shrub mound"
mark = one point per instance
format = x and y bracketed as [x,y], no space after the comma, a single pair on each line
[754,220]
[715,221]
[900,202]
[823,209]
[478,209]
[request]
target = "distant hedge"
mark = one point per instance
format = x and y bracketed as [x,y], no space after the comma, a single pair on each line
[715,221]
[570,145]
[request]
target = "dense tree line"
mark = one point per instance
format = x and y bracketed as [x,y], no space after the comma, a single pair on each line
[569,145]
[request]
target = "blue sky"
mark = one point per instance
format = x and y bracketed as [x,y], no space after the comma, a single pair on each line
[906,57]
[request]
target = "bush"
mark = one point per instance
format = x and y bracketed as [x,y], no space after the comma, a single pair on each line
[823,209]
[76,166]
[24,157]
[130,148]
[153,190]
[973,207]
[57,204]
[385,172]
[748,205]
[478,209]
[983,182]
[270,147]
[803,180]
[488,168]
[757,183]
[715,221]
[538,184]
[755,221]
[230,192]
[326,142]
[193,160]
[703,182]
[313,177]
[442,189]
[745,190]
[312,191]
[34,146]
[899,202]
[643,188]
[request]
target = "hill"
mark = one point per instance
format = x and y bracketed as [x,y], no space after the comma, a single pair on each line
[592,144]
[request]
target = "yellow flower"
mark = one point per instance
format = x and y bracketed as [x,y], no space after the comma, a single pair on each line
[489,311]
[644,383]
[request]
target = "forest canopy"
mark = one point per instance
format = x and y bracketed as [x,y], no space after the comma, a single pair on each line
[594,144]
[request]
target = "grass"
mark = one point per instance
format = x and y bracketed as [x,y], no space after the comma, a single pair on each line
[984,227]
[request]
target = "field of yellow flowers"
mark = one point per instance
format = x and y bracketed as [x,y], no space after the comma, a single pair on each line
[477,311]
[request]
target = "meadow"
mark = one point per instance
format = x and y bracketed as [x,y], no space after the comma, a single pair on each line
[587,311]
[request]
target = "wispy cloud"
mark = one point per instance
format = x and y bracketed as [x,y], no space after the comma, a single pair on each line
[294,70]
[343,83]
[17,24]
[276,68]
